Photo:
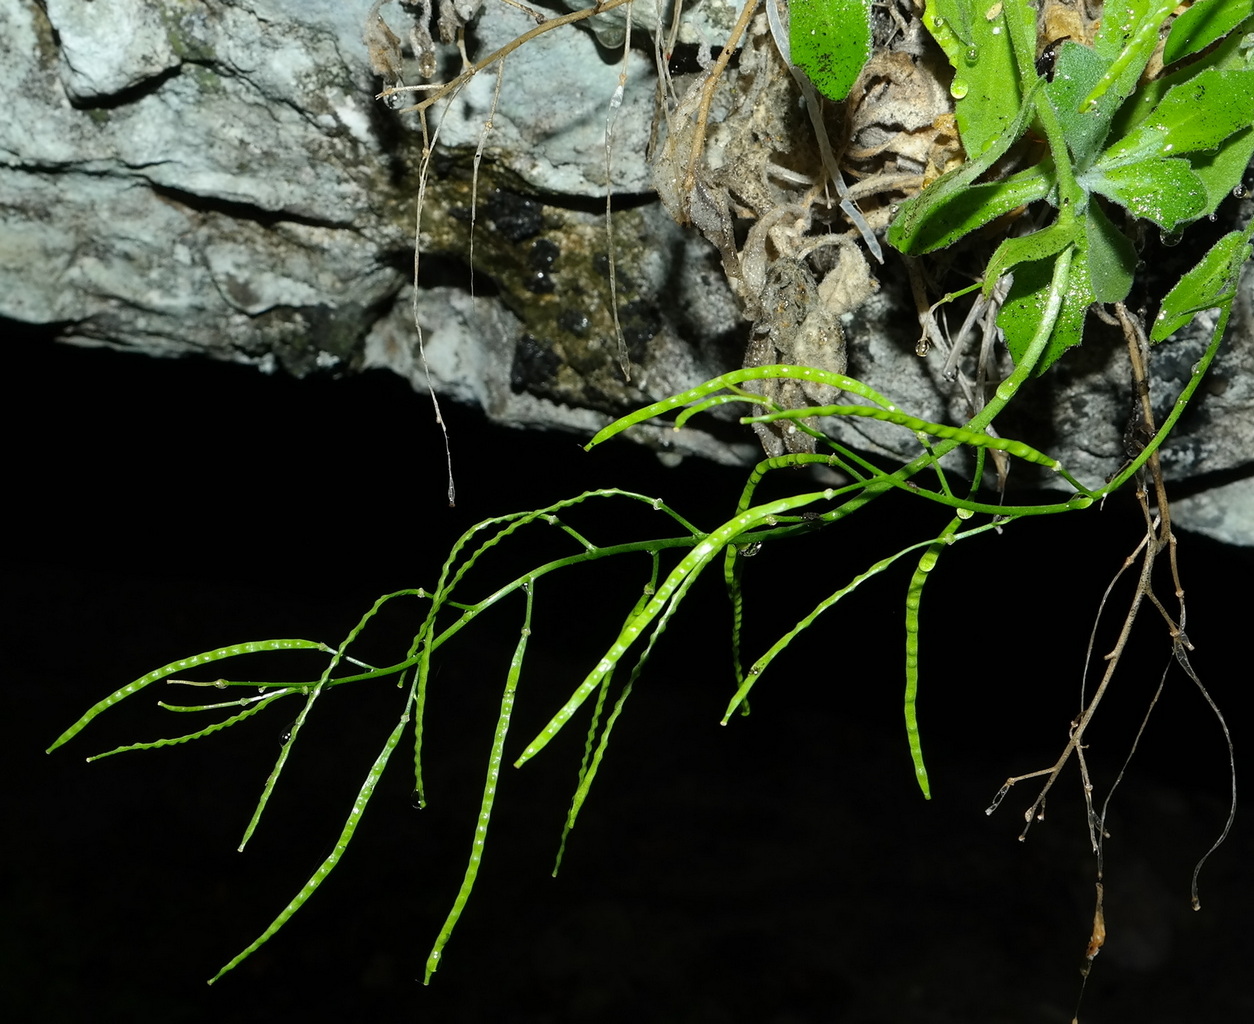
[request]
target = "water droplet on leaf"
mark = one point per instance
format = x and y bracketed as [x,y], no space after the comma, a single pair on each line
[958,88]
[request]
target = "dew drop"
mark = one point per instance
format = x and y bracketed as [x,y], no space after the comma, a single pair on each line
[1170,238]
[1238,191]
[973,54]
[1212,217]
[958,88]
[938,22]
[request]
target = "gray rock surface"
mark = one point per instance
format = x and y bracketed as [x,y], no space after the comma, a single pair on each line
[219,178]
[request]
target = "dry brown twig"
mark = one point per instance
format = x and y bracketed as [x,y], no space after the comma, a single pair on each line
[440,90]
[1157,540]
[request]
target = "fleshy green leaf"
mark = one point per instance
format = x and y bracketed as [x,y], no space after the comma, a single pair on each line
[953,205]
[1203,23]
[1224,169]
[975,38]
[1201,113]
[1233,54]
[971,207]
[1197,114]
[1165,191]
[1211,283]
[1111,257]
[830,42]
[1024,305]
[1076,73]
[1036,247]
[1127,38]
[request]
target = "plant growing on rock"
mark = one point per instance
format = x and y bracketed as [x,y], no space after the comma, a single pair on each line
[1039,155]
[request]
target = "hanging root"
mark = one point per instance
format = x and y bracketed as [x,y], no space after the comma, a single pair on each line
[1157,541]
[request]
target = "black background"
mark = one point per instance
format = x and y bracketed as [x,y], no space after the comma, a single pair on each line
[783,869]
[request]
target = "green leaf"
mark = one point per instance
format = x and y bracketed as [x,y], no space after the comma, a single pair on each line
[986,81]
[1211,283]
[1235,53]
[1165,191]
[953,205]
[1033,248]
[1076,73]
[1111,257]
[830,41]
[1203,23]
[1127,38]
[1026,302]
[967,208]
[1224,169]
[1201,113]
[1196,114]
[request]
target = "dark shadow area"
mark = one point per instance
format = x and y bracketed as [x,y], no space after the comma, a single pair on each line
[782,869]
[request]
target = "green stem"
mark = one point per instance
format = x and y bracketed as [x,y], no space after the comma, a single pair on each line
[1022,30]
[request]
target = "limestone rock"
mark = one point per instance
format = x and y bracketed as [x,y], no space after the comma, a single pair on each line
[220,179]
